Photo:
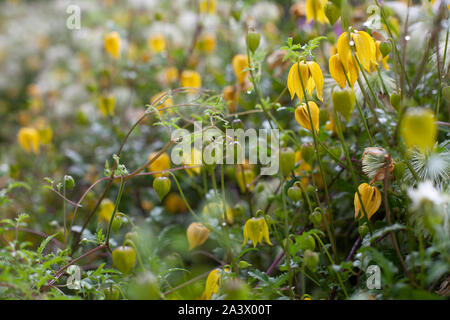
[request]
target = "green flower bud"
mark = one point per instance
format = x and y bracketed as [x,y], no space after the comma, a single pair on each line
[311,259]
[385,48]
[344,101]
[308,243]
[69,182]
[244,264]
[161,186]
[363,230]
[124,259]
[253,39]
[294,193]
[332,12]
[287,161]
[315,217]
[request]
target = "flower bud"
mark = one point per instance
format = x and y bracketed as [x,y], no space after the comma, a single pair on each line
[244,264]
[385,48]
[344,101]
[332,12]
[287,161]
[363,230]
[162,186]
[395,100]
[371,199]
[311,259]
[240,63]
[124,259]
[302,115]
[315,217]
[196,234]
[418,128]
[294,193]
[69,182]
[253,39]
[307,243]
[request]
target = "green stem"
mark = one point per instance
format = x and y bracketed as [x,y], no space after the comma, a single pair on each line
[116,206]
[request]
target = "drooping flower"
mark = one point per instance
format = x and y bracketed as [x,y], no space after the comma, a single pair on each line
[208,6]
[240,63]
[315,11]
[157,43]
[207,43]
[159,164]
[311,77]
[196,234]
[212,284]
[193,159]
[338,74]
[365,49]
[171,74]
[174,203]
[256,229]
[29,139]
[418,128]
[162,102]
[231,97]
[191,79]
[106,211]
[112,44]
[107,105]
[371,200]
[302,115]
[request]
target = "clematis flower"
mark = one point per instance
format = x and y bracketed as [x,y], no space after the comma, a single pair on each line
[365,49]
[338,73]
[240,62]
[29,139]
[160,164]
[311,77]
[302,116]
[167,102]
[208,6]
[371,199]
[191,79]
[106,211]
[112,44]
[157,43]
[315,11]
[418,128]
[212,284]
[193,159]
[207,43]
[256,229]
[196,234]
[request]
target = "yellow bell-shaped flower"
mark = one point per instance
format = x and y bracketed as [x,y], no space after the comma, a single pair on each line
[191,79]
[315,11]
[107,105]
[231,97]
[106,211]
[196,234]
[418,128]
[212,284]
[311,77]
[29,139]
[208,6]
[365,49]
[302,115]
[338,74]
[157,43]
[256,229]
[171,74]
[371,199]
[240,63]
[112,44]
[160,164]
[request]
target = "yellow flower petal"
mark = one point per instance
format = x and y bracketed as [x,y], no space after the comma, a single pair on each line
[317,75]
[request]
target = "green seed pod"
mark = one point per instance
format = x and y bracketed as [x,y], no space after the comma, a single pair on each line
[124,259]
[294,193]
[161,186]
[287,161]
[308,243]
[395,100]
[344,101]
[315,217]
[363,230]
[311,259]
[253,40]
[69,182]
[332,12]
[385,48]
